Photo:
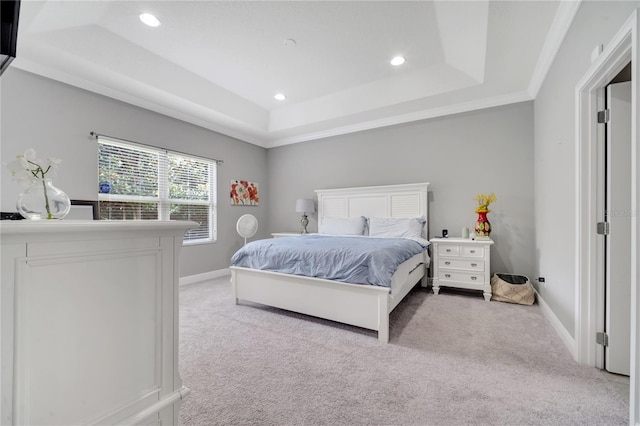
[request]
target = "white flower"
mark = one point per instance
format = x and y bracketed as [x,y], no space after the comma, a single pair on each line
[29,154]
[27,168]
[19,173]
[54,162]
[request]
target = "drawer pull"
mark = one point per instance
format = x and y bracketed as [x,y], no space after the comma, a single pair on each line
[448,250]
[472,251]
[447,263]
[447,275]
[474,278]
[473,265]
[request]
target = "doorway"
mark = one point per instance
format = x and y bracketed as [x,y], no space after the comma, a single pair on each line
[615,175]
[623,49]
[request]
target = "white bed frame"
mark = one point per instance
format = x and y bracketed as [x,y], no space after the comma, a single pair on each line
[355,304]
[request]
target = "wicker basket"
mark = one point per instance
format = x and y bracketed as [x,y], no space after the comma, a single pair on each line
[512,289]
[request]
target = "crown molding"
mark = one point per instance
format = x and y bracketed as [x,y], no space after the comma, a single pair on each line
[565,15]
[184,111]
[406,118]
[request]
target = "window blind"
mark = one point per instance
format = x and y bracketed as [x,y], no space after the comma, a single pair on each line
[144,183]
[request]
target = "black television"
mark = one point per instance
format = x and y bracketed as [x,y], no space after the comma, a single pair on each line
[9,15]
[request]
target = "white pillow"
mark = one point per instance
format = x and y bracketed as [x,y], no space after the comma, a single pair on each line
[396,227]
[342,225]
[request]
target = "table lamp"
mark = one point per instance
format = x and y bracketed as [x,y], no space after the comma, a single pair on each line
[304,206]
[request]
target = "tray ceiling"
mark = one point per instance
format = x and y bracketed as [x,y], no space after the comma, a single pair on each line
[218,64]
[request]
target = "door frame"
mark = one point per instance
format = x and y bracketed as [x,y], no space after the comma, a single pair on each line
[622,49]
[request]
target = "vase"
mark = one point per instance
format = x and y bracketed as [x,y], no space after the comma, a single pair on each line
[483,227]
[464,232]
[42,201]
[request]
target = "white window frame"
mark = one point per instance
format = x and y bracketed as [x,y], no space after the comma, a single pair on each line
[163,201]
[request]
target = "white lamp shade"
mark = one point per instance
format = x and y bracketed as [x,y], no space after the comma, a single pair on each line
[305,205]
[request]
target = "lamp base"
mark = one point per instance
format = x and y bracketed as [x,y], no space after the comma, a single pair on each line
[304,222]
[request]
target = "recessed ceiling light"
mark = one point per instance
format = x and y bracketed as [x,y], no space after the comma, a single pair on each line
[280,97]
[149,19]
[398,60]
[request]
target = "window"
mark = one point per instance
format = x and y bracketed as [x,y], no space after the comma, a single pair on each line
[144,183]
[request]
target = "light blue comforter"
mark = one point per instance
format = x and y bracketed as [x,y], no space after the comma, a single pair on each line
[357,260]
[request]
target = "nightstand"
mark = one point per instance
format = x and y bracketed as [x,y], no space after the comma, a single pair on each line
[462,263]
[285,234]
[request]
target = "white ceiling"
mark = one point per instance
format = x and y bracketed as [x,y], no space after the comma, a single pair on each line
[218,64]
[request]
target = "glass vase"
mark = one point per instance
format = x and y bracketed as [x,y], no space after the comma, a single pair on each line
[42,201]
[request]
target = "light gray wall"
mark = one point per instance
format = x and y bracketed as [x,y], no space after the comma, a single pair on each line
[460,156]
[555,153]
[55,119]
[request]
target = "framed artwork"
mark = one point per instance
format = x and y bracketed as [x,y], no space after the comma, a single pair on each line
[244,193]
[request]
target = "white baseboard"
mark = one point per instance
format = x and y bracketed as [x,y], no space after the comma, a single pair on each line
[565,336]
[206,276]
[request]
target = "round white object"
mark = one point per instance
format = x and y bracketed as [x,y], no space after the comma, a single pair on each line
[247,226]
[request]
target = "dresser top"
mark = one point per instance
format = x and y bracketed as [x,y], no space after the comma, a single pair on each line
[459,240]
[40,227]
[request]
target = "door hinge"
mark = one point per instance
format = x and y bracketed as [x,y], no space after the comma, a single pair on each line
[602,338]
[604,116]
[602,228]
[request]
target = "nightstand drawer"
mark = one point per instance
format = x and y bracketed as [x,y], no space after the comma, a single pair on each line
[461,277]
[468,265]
[472,251]
[448,250]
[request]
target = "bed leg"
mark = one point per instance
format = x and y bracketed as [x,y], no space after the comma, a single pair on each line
[383,335]
[383,318]
[233,287]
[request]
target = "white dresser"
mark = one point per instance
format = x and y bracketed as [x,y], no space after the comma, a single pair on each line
[462,263]
[89,329]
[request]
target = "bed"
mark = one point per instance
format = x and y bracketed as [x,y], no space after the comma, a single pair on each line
[366,306]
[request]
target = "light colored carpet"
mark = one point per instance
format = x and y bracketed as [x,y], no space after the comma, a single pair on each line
[452,359]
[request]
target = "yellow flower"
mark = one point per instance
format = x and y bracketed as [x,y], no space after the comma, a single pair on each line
[484,201]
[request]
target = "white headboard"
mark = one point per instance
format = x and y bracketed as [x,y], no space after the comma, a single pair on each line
[408,200]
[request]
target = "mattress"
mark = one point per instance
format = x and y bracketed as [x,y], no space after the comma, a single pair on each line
[356,260]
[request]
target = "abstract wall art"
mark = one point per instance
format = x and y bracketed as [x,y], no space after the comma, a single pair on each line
[244,193]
